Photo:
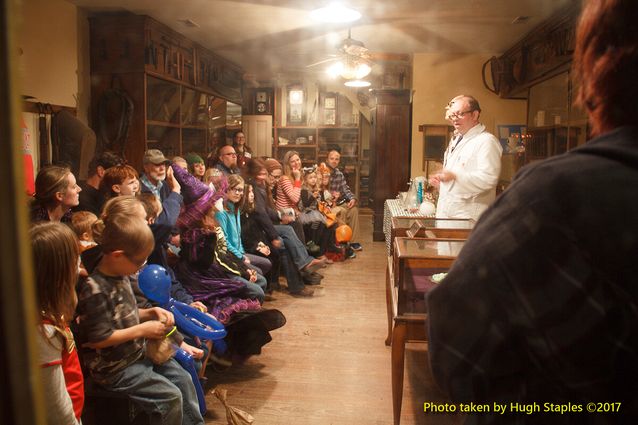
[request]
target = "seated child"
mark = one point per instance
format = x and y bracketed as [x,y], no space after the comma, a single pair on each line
[115,331]
[120,180]
[314,222]
[55,255]
[82,223]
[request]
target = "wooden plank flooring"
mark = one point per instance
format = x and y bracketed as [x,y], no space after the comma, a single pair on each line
[328,364]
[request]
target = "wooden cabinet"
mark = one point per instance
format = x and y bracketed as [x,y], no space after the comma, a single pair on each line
[258,132]
[554,124]
[548,141]
[390,147]
[179,91]
[345,139]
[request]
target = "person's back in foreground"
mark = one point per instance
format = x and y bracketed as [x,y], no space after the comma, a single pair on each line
[539,311]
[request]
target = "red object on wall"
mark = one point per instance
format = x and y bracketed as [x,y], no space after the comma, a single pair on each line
[27,156]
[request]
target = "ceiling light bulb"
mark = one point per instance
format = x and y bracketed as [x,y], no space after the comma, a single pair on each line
[362,70]
[349,72]
[335,69]
[357,83]
[335,12]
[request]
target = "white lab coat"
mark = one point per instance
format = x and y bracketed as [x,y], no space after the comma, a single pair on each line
[476,162]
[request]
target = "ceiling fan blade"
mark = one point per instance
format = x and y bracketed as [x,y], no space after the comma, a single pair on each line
[389,57]
[433,39]
[322,62]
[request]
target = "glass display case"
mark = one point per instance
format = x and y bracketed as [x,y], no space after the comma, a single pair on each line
[408,279]
[555,124]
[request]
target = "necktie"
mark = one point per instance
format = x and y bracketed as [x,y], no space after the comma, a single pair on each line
[458,140]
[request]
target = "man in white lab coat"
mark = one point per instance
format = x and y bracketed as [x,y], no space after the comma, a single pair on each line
[471,165]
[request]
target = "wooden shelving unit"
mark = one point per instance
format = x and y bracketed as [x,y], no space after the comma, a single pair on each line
[314,142]
[179,90]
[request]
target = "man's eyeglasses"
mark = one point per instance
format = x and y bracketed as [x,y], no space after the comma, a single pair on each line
[457,115]
[137,263]
[238,190]
[230,154]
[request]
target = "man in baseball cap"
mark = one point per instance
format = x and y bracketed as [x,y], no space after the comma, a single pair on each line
[154,156]
[155,172]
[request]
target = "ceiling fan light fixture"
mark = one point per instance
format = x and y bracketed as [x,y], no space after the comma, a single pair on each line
[349,70]
[357,83]
[335,69]
[362,70]
[335,13]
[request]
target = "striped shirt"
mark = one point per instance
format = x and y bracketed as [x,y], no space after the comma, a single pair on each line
[288,193]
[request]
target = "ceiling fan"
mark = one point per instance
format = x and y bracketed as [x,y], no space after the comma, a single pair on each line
[352,62]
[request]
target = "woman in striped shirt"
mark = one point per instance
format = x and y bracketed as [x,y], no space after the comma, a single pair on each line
[289,190]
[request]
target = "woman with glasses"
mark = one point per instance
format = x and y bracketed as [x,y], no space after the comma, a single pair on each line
[229,221]
[244,153]
[471,165]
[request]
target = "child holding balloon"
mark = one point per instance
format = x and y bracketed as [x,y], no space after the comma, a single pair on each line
[115,331]
[56,253]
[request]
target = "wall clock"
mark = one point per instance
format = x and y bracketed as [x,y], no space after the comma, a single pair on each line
[262,102]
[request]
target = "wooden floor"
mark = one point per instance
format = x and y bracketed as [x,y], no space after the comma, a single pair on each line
[328,364]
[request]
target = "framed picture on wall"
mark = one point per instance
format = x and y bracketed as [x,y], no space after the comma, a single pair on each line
[511,136]
[435,141]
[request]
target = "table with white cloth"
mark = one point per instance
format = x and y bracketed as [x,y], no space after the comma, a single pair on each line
[395,208]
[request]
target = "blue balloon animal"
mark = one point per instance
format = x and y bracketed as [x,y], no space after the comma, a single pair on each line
[155,282]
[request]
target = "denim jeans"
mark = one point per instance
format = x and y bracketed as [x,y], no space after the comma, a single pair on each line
[295,249]
[166,392]
[260,264]
[295,282]
[253,290]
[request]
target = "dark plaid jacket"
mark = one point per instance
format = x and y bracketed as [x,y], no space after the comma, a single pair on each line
[542,303]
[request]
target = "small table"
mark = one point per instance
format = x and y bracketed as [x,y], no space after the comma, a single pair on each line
[395,208]
[410,269]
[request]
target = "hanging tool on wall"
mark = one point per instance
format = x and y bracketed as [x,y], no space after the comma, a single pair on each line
[43,110]
[115,112]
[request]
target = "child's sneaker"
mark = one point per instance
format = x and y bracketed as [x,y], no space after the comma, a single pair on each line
[356,246]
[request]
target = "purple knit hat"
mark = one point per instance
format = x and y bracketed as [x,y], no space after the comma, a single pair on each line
[199,198]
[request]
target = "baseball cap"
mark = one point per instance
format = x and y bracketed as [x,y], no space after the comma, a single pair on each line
[154,156]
